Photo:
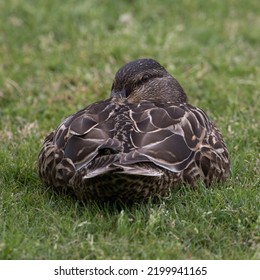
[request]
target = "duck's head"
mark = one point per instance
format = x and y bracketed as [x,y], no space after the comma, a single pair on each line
[146,79]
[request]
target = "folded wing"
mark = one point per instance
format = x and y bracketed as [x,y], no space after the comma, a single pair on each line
[165,134]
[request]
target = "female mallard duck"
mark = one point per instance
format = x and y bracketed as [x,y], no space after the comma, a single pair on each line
[142,141]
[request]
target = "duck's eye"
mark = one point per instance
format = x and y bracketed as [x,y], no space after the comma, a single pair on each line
[145,78]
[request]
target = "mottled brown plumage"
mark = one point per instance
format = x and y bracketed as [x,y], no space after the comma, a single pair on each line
[141,142]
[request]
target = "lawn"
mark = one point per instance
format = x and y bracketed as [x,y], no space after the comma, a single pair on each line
[56,57]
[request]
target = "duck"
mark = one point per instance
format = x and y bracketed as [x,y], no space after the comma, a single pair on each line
[143,141]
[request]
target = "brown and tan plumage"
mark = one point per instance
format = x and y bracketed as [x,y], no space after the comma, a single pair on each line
[141,142]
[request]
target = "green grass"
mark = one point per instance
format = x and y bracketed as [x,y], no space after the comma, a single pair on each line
[59,56]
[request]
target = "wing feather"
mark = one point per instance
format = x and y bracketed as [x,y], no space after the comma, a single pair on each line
[170,139]
[111,137]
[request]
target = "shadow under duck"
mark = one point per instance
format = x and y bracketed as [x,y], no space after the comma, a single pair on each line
[141,142]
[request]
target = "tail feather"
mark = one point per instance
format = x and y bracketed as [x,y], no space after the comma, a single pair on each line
[111,164]
[140,170]
[98,166]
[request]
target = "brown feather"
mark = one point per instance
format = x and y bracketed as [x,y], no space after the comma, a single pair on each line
[141,142]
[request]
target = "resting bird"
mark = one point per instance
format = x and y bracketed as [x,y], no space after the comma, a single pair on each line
[141,142]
